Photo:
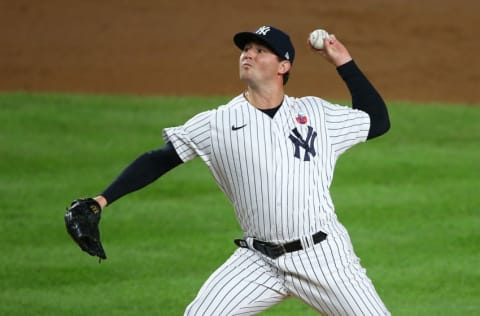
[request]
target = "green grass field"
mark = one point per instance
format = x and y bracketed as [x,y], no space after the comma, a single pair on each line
[409,199]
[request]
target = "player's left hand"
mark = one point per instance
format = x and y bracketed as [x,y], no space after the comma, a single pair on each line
[82,219]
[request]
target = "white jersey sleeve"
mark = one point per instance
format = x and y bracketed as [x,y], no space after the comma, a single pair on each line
[193,138]
[346,126]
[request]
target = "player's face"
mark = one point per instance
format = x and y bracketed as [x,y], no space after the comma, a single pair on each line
[259,64]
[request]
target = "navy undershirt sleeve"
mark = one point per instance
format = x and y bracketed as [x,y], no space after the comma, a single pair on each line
[366,98]
[142,171]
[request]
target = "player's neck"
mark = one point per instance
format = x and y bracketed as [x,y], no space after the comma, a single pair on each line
[264,99]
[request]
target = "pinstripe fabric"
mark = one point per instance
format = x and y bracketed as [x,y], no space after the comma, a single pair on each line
[244,285]
[327,276]
[277,173]
[276,196]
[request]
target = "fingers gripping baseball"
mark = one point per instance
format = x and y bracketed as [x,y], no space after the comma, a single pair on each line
[332,50]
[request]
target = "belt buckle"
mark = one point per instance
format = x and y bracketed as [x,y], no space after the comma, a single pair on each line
[268,249]
[276,250]
[262,247]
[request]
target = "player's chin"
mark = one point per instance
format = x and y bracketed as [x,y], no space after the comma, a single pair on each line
[245,76]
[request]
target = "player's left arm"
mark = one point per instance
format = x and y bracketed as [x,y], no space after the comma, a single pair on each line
[144,170]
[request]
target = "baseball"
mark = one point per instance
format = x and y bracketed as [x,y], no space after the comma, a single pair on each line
[316,38]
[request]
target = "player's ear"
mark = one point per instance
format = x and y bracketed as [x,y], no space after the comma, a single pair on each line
[284,67]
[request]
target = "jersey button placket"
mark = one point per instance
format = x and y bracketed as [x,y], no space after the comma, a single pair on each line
[277,167]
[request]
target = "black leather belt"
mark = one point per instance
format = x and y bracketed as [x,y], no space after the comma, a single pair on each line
[276,250]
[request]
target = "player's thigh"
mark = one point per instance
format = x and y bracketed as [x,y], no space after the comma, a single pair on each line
[243,285]
[329,277]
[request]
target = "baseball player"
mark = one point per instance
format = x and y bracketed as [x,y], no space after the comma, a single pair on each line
[274,156]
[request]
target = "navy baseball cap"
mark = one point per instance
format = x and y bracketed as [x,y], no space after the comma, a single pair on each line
[275,39]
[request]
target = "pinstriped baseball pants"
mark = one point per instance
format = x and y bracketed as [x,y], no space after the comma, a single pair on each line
[327,276]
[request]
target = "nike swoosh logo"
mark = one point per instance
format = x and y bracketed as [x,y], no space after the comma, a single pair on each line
[236,128]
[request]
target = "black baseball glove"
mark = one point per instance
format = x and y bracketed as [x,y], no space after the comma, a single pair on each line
[82,219]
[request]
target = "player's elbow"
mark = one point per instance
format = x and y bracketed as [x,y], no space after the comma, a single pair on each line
[379,128]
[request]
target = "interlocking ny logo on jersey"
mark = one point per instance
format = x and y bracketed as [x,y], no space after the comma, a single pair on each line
[308,143]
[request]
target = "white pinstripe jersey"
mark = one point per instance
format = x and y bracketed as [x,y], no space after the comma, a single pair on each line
[275,171]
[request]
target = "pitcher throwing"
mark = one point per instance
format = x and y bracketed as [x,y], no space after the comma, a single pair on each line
[274,155]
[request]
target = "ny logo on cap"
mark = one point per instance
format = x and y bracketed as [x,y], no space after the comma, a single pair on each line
[263,30]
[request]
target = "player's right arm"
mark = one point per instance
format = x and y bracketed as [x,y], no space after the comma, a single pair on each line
[144,170]
[364,95]
[366,98]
